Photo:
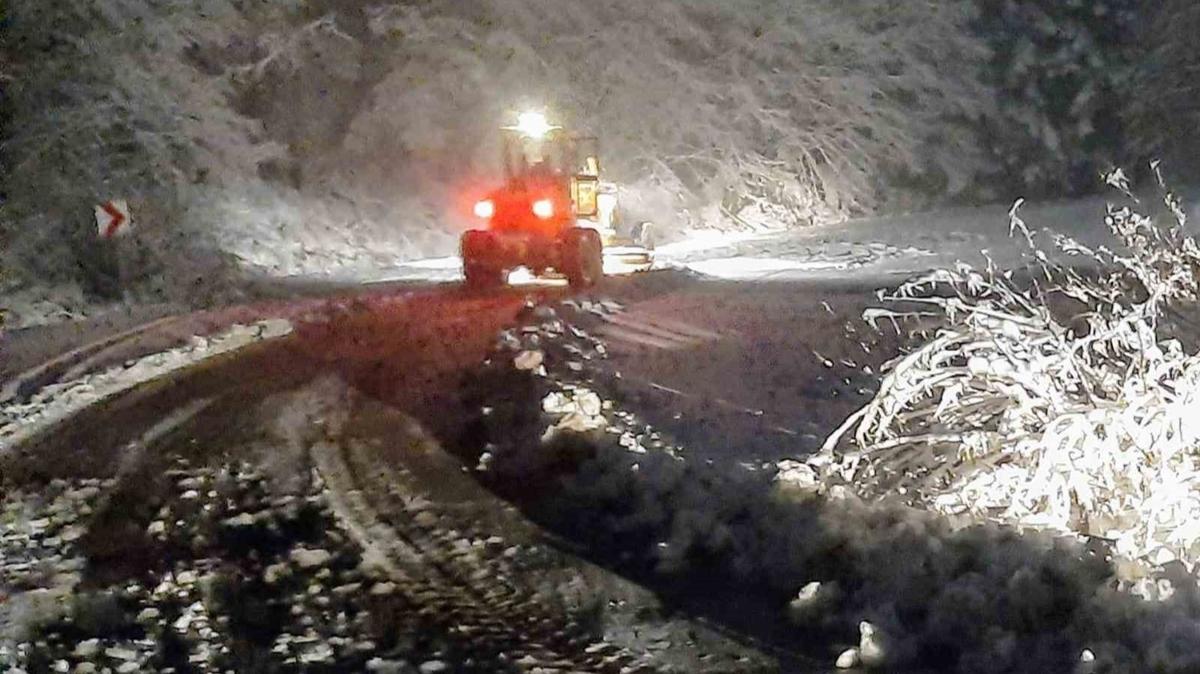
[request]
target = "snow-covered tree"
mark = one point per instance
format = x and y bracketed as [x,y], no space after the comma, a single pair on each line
[302,136]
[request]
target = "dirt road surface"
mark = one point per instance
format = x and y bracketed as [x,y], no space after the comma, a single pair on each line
[311,465]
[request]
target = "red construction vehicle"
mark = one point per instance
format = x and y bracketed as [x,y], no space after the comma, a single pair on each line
[553,213]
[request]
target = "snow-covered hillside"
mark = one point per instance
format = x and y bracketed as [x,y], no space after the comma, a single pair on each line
[300,136]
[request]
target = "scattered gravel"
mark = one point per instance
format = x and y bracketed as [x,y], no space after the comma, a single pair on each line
[196,559]
[222,564]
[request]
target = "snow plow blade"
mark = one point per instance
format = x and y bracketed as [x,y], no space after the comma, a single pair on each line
[631,256]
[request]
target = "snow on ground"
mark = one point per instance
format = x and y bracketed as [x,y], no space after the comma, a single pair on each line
[257,542]
[276,235]
[39,531]
[212,523]
[45,305]
[886,247]
[23,420]
[758,268]
[434,270]
[891,246]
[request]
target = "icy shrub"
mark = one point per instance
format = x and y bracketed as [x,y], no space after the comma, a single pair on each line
[1053,403]
[811,567]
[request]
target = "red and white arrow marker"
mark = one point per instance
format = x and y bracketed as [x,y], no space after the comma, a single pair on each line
[112,218]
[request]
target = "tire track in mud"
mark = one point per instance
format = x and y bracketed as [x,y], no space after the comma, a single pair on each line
[537,609]
[468,592]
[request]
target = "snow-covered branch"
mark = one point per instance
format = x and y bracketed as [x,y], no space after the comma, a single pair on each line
[1064,408]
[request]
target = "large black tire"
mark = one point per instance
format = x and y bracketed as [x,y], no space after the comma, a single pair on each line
[582,257]
[481,276]
[480,268]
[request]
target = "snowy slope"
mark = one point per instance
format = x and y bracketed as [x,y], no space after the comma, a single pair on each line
[303,137]
[299,137]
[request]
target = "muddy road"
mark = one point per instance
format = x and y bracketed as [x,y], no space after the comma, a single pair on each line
[338,463]
[424,479]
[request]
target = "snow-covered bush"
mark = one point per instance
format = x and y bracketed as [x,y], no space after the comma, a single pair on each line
[807,566]
[1052,402]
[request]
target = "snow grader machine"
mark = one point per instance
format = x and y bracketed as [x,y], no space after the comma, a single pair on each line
[552,215]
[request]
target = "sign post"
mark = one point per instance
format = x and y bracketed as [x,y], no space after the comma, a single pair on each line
[114,223]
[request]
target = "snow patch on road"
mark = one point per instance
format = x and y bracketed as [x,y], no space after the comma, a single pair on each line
[452,262]
[697,241]
[44,305]
[54,404]
[739,268]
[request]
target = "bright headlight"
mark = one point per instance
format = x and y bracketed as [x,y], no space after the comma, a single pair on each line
[485,209]
[533,125]
[543,208]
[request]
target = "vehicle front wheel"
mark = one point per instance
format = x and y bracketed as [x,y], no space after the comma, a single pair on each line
[582,257]
[481,276]
[482,266]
